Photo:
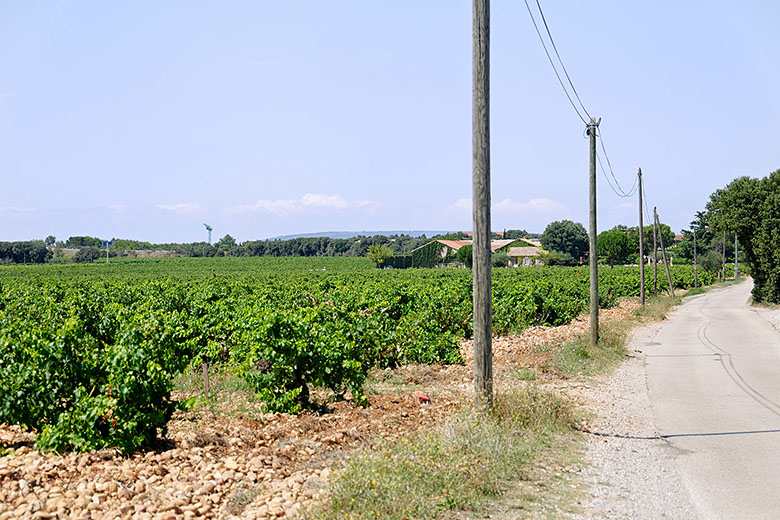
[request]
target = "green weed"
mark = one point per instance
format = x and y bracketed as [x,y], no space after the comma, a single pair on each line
[458,466]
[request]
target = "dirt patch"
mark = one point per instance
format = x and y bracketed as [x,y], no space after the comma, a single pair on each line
[264,466]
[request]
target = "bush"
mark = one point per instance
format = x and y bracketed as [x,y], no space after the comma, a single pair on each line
[379,253]
[290,350]
[556,258]
[711,262]
[499,259]
[87,255]
[465,255]
[90,374]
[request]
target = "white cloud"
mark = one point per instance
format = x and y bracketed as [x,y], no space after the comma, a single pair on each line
[10,210]
[533,206]
[308,202]
[279,207]
[182,208]
[319,200]
[539,206]
[461,205]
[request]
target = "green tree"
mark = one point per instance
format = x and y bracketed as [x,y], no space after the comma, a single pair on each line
[515,233]
[567,238]
[615,246]
[711,261]
[87,255]
[751,209]
[465,255]
[704,238]
[50,240]
[378,253]
[225,242]
[665,232]
[499,259]
[83,241]
[555,258]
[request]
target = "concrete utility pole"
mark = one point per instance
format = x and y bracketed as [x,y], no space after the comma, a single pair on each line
[663,252]
[593,253]
[736,258]
[695,261]
[641,245]
[724,256]
[483,311]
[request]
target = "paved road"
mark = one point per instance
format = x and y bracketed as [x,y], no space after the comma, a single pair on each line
[713,377]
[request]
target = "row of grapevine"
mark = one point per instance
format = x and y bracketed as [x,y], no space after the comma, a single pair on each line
[87,356]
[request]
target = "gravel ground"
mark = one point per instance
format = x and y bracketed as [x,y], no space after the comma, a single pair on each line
[630,472]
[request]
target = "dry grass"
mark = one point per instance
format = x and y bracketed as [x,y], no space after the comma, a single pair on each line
[457,466]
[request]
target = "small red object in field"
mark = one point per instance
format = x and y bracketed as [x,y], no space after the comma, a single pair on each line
[424,399]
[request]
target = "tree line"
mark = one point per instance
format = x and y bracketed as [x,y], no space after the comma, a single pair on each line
[26,252]
[750,208]
[567,243]
[91,248]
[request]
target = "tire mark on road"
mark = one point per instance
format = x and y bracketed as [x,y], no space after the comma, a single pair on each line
[727,363]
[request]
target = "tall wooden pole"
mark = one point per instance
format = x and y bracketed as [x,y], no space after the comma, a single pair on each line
[641,245]
[663,252]
[593,256]
[655,256]
[695,261]
[483,312]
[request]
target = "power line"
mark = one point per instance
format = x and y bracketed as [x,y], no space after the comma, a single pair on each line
[555,48]
[612,172]
[606,177]
[552,64]
[644,198]
[617,188]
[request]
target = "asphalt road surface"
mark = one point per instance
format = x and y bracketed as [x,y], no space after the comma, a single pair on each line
[714,382]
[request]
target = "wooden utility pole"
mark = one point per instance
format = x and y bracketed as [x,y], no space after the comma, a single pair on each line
[641,245]
[736,258]
[663,251]
[695,261]
[483,312]
[655,257]
[593,256]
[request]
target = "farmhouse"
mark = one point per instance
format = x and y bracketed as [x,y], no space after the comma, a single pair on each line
[438,252]
[526,256]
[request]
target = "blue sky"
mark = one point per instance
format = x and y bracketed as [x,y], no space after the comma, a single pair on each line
[145,119]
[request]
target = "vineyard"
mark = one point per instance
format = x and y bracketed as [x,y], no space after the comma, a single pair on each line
[88,353]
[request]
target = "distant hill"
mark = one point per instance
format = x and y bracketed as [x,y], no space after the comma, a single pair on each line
[352,234]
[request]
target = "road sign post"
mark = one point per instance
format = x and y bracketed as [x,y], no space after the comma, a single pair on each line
[107,243]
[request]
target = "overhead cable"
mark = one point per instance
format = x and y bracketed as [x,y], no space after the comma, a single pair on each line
[617,188]
[555,48]
[552,64]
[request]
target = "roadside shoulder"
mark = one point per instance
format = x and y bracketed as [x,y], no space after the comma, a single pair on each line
[629,472]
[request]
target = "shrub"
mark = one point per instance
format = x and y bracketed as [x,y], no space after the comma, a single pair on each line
[89,374]
[465,255]
[499,259]
[712,261]
[290,350]
[87,255]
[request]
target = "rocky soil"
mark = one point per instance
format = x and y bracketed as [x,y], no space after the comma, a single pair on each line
[226,465]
